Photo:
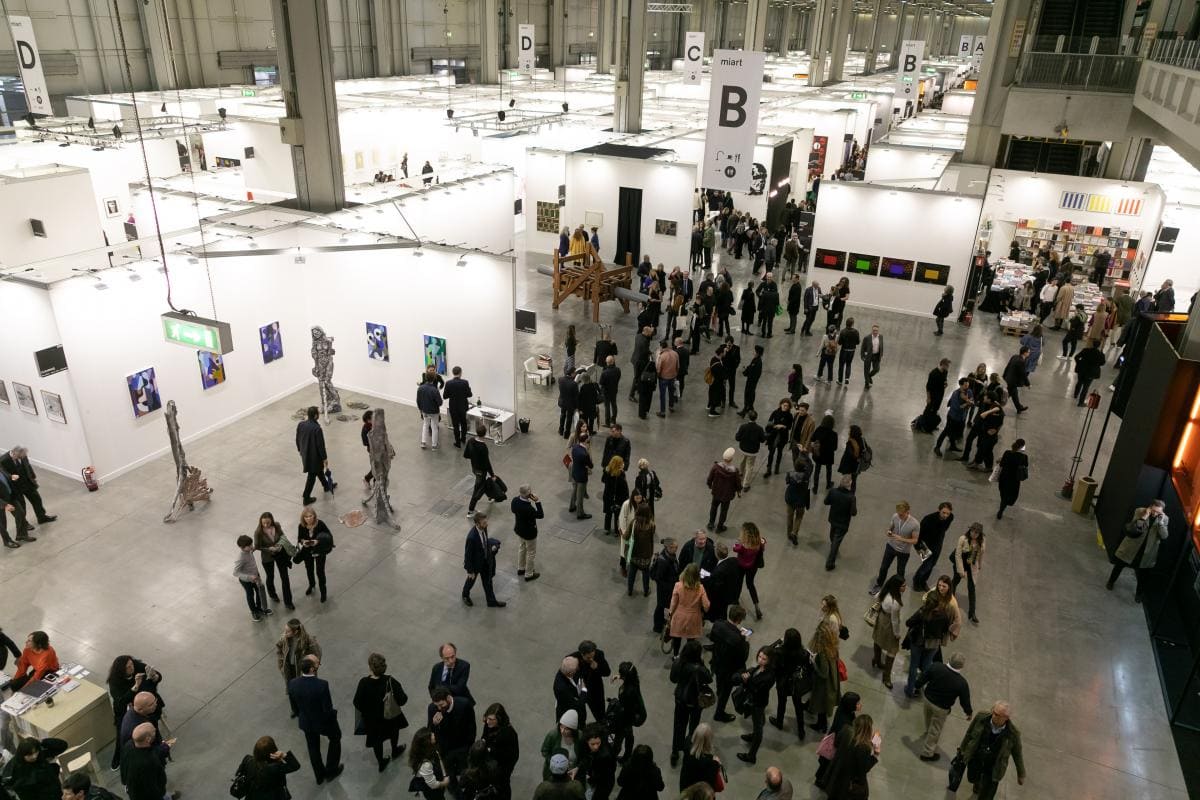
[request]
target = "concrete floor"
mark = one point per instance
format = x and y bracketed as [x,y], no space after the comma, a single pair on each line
[1072,659]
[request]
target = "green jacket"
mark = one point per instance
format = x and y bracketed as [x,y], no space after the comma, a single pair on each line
[1009,746]
[826,688]
[709,237]
[552,744]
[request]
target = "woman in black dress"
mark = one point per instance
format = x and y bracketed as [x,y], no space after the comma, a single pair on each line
[1014,468]
[824,444]
[700,763]
[640,778]
[847,709]
[382,718]
[790,656]
[779,426]
[857,752]
[748,304]
[852,455]
[597,764]
[267,769]
[315,542]
[837,303]
[501,741]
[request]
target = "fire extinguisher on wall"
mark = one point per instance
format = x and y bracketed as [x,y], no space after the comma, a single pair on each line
[89,478]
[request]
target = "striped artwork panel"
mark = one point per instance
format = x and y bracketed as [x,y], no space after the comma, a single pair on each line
[1100,203]
[1130,207]
[1073,200]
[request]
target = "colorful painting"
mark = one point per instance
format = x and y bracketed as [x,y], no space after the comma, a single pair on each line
[435,353]
[25,400]
[830,259]
[212,369]
[863,264]
[899,268]
[932,273]
[54,407]
[272,342]
[143,392]
[377,343]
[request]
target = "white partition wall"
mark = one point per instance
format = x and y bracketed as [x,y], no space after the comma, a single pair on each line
[893,223]
[61,199]
[545,171]
[892,162]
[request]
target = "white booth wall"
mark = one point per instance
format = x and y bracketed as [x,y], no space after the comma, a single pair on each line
[958,102]
[270,170]
[895,223]
[594,182]
[411,295]
[1179,265]
[63,199]
[889,162]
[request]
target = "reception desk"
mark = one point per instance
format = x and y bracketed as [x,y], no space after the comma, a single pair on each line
[76,716]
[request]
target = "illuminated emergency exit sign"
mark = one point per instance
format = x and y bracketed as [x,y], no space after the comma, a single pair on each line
[197,332]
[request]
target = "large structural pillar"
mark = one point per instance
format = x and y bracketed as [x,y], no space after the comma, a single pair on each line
[899,38]
[558,38]
[996,76]
[785,30]
[1129,159]
[756,24]
[873,45]
[490,52]
[709,25]
[157,33]
[605,31]
[838,47]
[818,34]
[631,67]
[310,103]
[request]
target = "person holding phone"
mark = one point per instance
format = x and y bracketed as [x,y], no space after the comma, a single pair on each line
[315,542]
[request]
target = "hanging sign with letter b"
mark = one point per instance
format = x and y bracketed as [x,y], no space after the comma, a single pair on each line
[732,119]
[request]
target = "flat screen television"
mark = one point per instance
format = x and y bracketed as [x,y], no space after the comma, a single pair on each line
[50,360]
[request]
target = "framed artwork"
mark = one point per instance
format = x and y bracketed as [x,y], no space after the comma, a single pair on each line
[111,207]
[666,227]
[377,343]
[25,398]
[435,353]
[861,264]
[272,342]
[143,392]
[54,407]
[898,268]
[830,259]
[932,273]
[212,368]
[547,217]
[4,394]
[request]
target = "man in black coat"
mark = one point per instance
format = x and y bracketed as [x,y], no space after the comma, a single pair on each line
[795,298]
[730,649]
[640,356]
[812,304]
[842,507]
[310,443]
[142,769]
[11,503]
[570,692]
[768,301]
[1015,376]
[1088,362]
[752,373]
[593,669]
[452,720]
[458,393]
[724,585]
[452,672]
[935,390]
[699,550]
[526,509]
[481,464]
[610,385]
[848,340]
[15,464]
[617,444]
[568,404]
[731,360]
[931,537]
[479,560]
[314,706]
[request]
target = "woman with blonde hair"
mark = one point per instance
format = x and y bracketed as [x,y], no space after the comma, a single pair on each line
[625,519]
[935,624]
[578,245]
[641,549]
[827,685]
[315,543]
[830,615]
[689,602]
[967,559]
[700,763]
[857,750]
[749,549]
[616,490]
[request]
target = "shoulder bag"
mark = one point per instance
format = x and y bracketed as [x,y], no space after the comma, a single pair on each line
[958,766]
[721,779]
[391,709]
[872,614]
[240,785]
[826,749]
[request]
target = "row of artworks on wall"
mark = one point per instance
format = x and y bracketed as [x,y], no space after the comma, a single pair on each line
[25,401]
[882,266]
[143,384]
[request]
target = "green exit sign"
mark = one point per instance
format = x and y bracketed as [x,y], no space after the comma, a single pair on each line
[197,332]
[249,93]
[858,95]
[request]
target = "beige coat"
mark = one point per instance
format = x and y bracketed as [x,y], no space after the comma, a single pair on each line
[1127,550]
[1096,329]
[687,611]
[1064,301]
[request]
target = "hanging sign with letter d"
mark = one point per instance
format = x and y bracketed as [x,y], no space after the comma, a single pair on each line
[29,63]
[525,55]
[693,56]
[732,119]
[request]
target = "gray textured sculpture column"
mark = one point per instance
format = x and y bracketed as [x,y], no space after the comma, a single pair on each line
[381,451]
[190,487]
[322,353]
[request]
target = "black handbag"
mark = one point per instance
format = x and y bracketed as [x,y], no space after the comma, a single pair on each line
[741,700]
[240,785]
[958,766]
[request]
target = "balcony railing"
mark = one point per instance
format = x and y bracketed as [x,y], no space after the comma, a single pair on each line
[1080,72]
[1177,53]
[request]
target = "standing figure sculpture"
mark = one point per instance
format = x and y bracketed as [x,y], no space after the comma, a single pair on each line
[382,453]
[190,486]
[322,353]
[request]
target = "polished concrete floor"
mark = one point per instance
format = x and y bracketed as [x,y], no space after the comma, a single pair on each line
[1073,660]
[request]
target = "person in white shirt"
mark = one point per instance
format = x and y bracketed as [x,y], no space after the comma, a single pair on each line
[901,536]
[872,354]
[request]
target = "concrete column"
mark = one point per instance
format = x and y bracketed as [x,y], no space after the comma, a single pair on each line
[756,24]
[873,46]
[631,66]
[604,37]
[1128,160]
[558,45]
[306,78]
[785,30]
[996,75]
[709,25]
[489,41]
[837,47]
[818,37]
[160,49]
[900,21]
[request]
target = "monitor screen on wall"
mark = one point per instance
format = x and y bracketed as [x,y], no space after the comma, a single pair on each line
[50,360]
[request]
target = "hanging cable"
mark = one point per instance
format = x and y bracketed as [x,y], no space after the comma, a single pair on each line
[196,201]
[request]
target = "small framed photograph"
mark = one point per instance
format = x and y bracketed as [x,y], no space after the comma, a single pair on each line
[54,407]
[4,394]
[666,227]
[112,208]
[25,400]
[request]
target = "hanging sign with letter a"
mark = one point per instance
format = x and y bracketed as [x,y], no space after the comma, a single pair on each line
[732,119]
[908,73]
[693,56]
[29,62]
[977,53]
[525,55]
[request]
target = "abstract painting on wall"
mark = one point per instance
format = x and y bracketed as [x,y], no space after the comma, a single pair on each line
[435,353]
[212,369]
[272,342]
[377,343]
[25,398]
[143,392]
[54,407]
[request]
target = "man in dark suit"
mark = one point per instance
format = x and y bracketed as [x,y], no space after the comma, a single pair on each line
[314,706]
[724,585]
[617,444]
[699,550]
[812,304]
[452,720]
[11,503]
[310,442]
[453,673]
[872,354]
[479,560]
[143,771]
[570,693]
[610,383]
[730,649]
[568,404]
[457,393]
[15,464]
[593,669]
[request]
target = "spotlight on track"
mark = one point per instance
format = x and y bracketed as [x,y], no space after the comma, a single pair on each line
[116,131]
[500,115]
[512,103]
[91,123]
[566,108]
[449,113]
[221,113]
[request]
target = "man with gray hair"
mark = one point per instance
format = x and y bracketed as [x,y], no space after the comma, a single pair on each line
[990,741]
[16,466]
[527,510]
[944,685]
[1139,543]
[777,787]
[570,694]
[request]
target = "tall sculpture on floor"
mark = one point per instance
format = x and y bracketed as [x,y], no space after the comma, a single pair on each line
[382,453]
[190,486]
[322,353]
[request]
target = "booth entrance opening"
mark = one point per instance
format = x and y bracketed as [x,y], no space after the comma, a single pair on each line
[629,224]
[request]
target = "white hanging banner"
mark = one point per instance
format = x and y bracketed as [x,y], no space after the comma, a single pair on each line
[525,54]
[693,56]
[29,62]
[964,45]
[908,73]
[732,119]
[977,53]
